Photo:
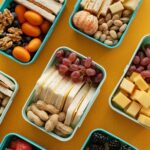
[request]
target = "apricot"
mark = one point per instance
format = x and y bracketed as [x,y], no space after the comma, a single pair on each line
[31,30]
[33,45]
[45,26]
[33,18]
[20,11]
[21,54]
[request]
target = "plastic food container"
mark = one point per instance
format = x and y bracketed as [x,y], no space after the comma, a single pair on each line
[77,8]
[7,139]
[11,98]
[109,135]
[50,63]
[5,4]
[145,39]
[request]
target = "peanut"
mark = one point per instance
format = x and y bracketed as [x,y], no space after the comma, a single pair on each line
[64,129]
[35,119]
[51,123]
[108,42]
[127,13]
[125,19]
[113,34]
[114,28]
[118,23]
[123,28]
[106,32]
[61,116]
[104,27]
[108,17]
[103,37]
[47,107]
[115,42]
[119,34]
[110,23]
[40,113]
[5,101]
[116,17]
[101,21]
[97,35]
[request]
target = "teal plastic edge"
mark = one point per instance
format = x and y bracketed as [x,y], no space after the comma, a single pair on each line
[107,133]
[76,8]
[11,98]
[117,86]
[87,109]
[20,137]
[49,33]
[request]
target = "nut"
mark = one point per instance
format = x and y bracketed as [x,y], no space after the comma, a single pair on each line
[1,110]
[127,13]
[61,116]
[104,27]
[125,19]
[101,21]
[115,42]
[123,28]
[119,34]
[108,42]
[116,17]
[106,32]
[110,23]
[51,123]
[118,23]
[5,101]
[109,38]
[113,34]
[5,43]
[103,37]
[116,28]
[108,17]
[97,35]
[35,119]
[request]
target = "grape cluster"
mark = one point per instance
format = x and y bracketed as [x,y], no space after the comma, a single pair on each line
[141,63]
[69,64]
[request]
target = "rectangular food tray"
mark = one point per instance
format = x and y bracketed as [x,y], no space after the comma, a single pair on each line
[11,98]
[7,139]
[111,104]
[108,134]
[77,8]
[29,100]
[5,4]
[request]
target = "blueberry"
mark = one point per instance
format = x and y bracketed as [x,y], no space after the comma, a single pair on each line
[3,35]
[16,23]
[14,14]
[26,38]
[114,144]
[9,51]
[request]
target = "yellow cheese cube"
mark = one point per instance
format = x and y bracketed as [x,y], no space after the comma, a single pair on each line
[116,7]
[127,86]
[144,120]
[133,76]
[135,95]
[141,83]
[131,4]
[133,109]
[121,100]
[144,99]
[145,111]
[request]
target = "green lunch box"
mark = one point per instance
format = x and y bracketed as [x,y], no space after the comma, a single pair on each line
[29,101]
[5,4]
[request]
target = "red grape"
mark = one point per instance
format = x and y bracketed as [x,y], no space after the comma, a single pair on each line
[140,69]
[75,76]
[63,69]
[98,78]
[145,61]
[141,54]
[66,62]
[72,57]
[136,60]
[82,69]
[59,53]
[147,52]
[145,74]
[88,62]
[77,61]
[148,67]
[74,67]
[90,72]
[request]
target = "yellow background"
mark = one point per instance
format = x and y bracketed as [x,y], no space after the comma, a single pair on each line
[100,116]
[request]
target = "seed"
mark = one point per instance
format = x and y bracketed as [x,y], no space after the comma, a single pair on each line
[113,34]
[118,23]
[123,28]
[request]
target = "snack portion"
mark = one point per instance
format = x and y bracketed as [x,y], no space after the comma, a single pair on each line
[104,20]
[100,140]
[133,94]
[7,88]
[24,25]
[63,93]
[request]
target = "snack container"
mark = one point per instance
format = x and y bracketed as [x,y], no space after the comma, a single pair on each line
[11,98]
[77,8]
[50,63]
[5,4]
[109,135]
[7,139]
[145,39]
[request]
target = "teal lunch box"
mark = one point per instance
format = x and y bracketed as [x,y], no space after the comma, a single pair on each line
[110,135]
[29,101]
[11,98]
[5,4]
[77,8]
[8,138]
[145,39]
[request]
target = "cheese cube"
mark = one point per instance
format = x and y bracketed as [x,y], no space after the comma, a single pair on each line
[145,111]
[116,7]
[133,109]
[127,86]
[131,4]
[121,100]
[141,83]
[135,95]
[144,120]
[144,99]
[133,76]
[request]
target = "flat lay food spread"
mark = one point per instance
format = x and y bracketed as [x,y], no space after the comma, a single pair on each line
[70,85]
